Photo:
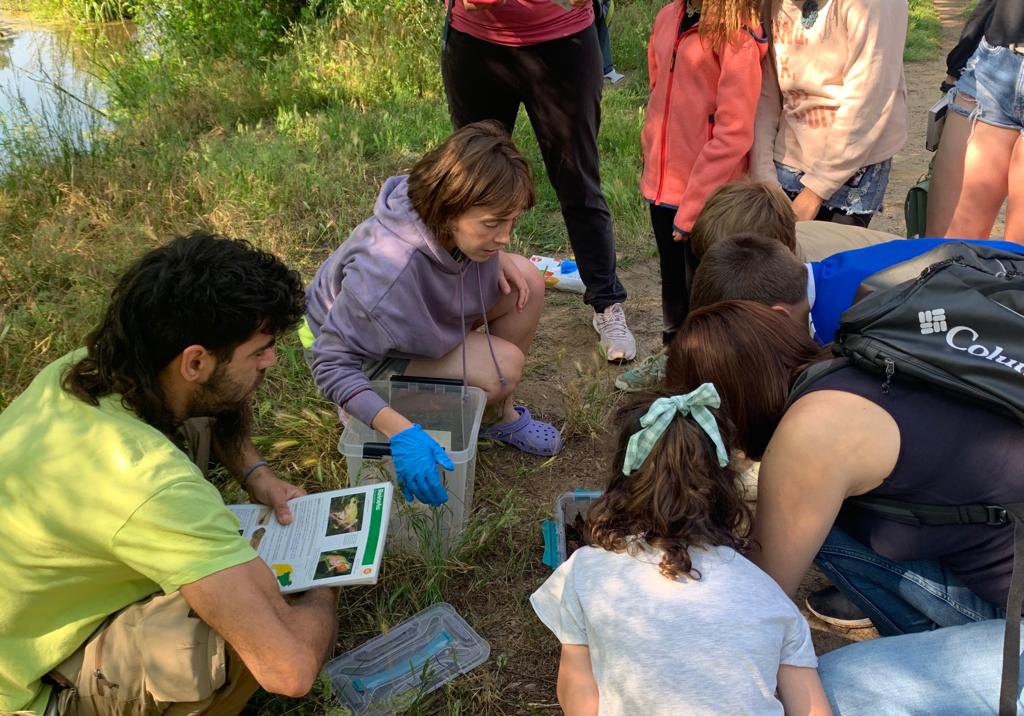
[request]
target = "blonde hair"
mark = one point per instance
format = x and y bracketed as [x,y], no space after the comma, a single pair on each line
[742,207]
[722,21]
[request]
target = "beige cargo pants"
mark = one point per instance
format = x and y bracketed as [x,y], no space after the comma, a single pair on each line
[154,656]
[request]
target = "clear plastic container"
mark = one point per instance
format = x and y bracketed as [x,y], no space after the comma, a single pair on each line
[568,507]
[387,674]
[451,414]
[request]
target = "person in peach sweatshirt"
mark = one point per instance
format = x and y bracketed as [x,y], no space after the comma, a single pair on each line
[833,108]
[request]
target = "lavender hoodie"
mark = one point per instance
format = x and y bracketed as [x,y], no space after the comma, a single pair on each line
[390,290]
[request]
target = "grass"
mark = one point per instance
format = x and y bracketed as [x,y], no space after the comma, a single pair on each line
[924,32]
[286,146]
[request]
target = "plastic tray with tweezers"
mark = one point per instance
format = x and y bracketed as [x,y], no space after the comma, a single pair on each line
[390,672]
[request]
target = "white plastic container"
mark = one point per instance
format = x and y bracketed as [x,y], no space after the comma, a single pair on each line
[451,414]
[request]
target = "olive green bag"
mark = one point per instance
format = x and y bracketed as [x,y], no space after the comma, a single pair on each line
[915,208]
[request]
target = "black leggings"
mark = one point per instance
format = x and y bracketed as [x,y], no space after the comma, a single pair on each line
[678,264]
[560,83]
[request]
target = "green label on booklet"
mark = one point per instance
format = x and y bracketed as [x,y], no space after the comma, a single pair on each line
[376,517]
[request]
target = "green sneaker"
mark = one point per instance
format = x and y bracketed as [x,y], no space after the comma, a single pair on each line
[648,375]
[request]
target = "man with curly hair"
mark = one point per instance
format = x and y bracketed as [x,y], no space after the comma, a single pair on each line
[125,586]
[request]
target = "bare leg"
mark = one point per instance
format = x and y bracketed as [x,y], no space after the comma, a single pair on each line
[986,173]
[512,333]
[515,326]
[1015,206]
[948,169]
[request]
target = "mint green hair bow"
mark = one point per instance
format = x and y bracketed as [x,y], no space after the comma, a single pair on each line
[661,413]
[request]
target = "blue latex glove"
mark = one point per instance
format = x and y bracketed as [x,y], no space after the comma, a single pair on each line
[416,456]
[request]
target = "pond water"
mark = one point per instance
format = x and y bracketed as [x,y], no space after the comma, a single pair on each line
[49,80]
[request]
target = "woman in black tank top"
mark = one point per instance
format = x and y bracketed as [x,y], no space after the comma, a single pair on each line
[848,436]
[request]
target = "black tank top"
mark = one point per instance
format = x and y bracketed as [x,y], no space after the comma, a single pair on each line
[952,452]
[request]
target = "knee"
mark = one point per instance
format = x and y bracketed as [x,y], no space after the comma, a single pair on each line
[534,280]
[511,362]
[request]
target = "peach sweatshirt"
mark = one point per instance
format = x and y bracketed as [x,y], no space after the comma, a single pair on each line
[836,100]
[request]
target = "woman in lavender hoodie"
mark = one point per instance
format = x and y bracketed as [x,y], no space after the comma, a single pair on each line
[408,289]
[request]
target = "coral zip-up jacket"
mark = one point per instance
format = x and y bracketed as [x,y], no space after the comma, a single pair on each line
[700,117]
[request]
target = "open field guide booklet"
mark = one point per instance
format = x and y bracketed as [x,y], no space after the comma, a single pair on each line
[336,538]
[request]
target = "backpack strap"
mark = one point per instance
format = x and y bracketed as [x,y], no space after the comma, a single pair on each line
[919,515]
[1014,601]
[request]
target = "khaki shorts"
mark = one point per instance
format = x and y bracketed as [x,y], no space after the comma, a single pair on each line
[153,656]
[817,240]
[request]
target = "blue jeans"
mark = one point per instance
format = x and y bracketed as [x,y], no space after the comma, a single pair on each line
[900,597]
[861,194]
[603,38]
[999,77]
[947,672]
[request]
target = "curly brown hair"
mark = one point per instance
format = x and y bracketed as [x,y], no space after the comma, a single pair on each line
[679,498]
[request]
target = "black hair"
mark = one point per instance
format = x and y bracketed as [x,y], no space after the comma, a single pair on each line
[201,289]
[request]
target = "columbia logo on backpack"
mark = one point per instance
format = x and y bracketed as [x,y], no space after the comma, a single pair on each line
[933,321]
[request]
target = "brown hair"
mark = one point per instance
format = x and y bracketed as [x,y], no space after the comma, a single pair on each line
[721,21]
[749,267]
[477,165]
[752,354]
[679,498]
[741,207]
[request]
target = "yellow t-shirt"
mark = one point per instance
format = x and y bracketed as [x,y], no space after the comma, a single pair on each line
[97,510]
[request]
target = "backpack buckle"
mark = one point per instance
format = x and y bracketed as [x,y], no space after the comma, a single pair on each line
[997,516]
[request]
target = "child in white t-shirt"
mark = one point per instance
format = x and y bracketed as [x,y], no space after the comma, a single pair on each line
[662,614]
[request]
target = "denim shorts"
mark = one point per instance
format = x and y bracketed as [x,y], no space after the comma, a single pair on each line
[967,86]
[994,76]
[861,194]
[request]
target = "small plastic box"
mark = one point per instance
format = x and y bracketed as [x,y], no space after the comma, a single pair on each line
[446,409]
[567,507]
[390,672]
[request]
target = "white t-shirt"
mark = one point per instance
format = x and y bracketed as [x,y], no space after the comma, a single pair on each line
[673,647]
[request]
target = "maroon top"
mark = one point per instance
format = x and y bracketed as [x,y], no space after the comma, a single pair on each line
[520,23]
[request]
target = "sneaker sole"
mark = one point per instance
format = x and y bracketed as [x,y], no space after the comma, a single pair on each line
[619,360]
[604,351]
[836,621]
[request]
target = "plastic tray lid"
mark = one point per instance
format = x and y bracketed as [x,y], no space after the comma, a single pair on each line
[390,672]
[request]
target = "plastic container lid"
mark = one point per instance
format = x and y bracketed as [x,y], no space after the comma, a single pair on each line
[391,671]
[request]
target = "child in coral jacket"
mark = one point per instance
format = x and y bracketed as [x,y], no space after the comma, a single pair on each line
[704,61]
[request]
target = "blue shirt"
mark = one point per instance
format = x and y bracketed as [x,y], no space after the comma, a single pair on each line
[833,282]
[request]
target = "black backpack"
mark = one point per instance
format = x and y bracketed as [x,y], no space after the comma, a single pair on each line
[954,318]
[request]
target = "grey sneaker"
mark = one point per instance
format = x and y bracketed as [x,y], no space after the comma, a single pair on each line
[617,342]
[614,77]
[649,374]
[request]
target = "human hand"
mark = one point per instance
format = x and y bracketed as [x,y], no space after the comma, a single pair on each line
[511,277]
[806,205]
[678,235]
[268,489]
[416,456]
